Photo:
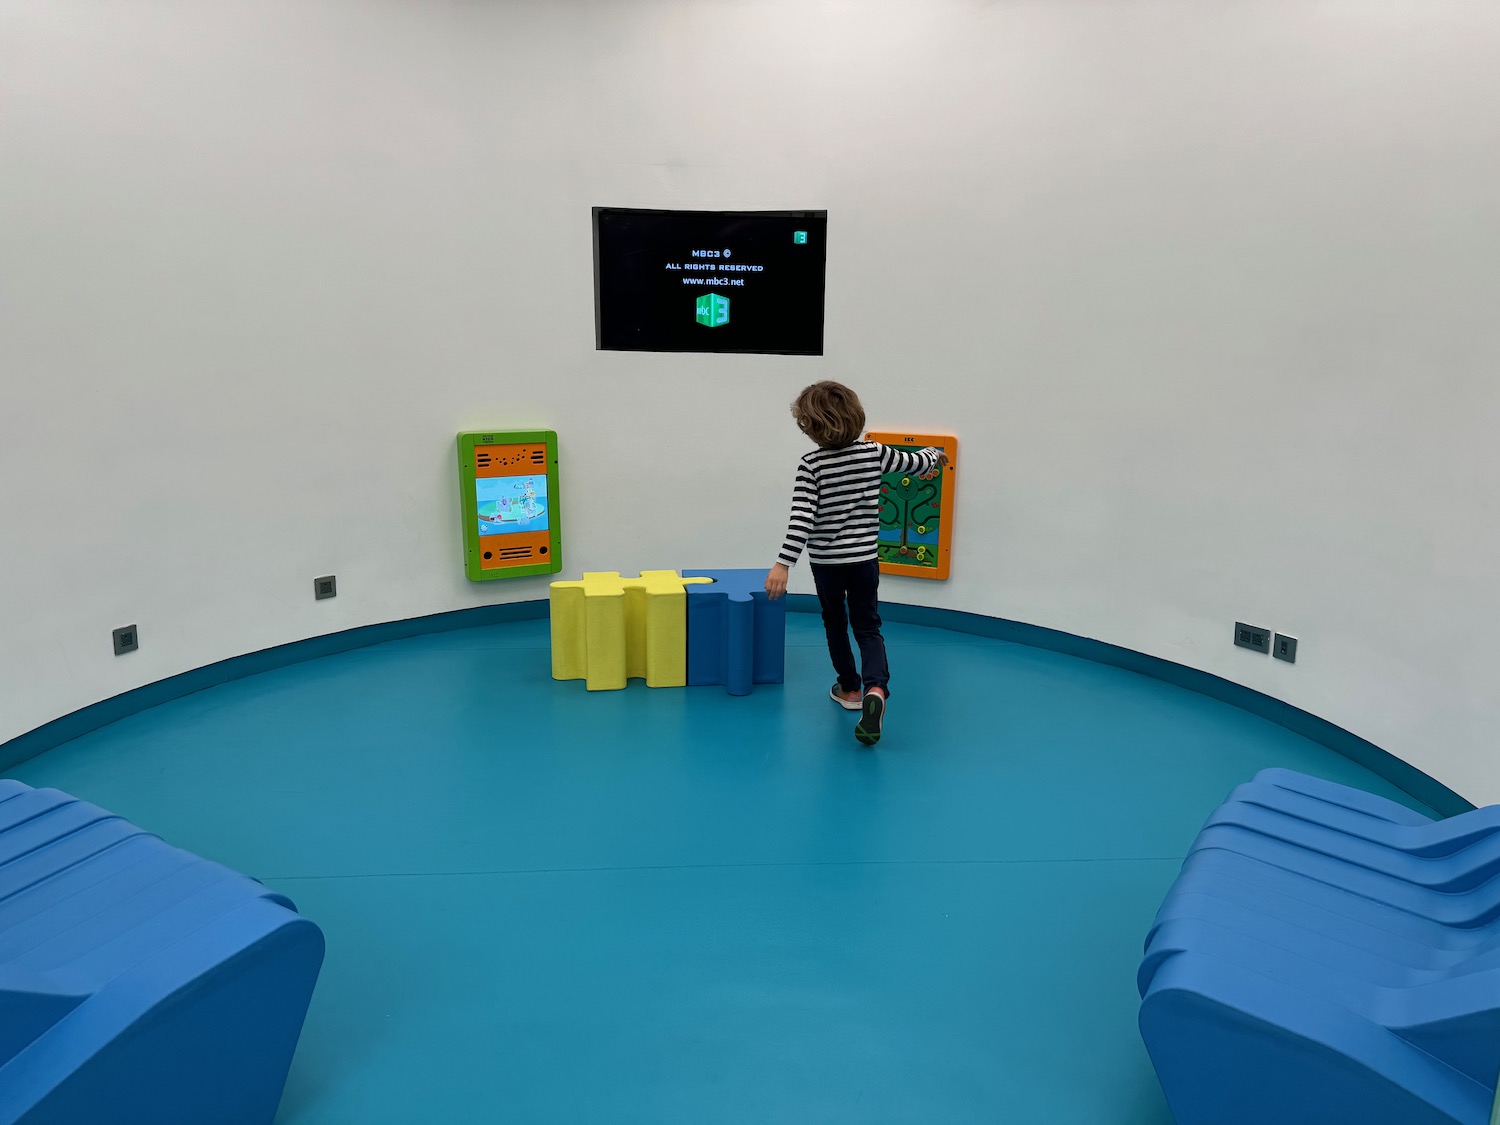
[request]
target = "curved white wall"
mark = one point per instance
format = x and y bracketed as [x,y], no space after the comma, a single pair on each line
[1208,292]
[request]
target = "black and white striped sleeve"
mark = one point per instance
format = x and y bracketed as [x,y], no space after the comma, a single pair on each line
[804,511]
[893,460]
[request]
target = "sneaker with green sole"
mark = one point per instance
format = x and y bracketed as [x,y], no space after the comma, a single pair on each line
[872,715]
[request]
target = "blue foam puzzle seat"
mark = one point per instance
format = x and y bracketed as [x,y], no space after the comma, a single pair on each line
[139,983]
[1327,956]
[736,634]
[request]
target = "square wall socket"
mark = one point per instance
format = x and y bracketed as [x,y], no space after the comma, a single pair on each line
[127,639]
[325,587]
[1285,648]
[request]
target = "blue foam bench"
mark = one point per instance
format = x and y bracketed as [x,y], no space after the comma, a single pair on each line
[139,983]
[1327,956]
[1262,806]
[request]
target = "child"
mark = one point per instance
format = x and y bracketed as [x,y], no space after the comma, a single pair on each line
[836,516]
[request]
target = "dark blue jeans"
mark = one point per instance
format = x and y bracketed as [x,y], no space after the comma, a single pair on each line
[857,586]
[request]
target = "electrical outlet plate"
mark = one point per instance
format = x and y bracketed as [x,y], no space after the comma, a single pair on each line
[1285,648]
[127,639]
[325,587]
[1254,637]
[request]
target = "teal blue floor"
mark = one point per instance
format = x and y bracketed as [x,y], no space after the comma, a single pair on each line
[663,907]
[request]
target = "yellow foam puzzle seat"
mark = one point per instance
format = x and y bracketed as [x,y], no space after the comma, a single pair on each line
[607,630]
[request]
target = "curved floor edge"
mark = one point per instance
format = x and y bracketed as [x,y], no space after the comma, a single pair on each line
[1411,780]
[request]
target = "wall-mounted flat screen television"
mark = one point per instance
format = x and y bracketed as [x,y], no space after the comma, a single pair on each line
[709,281]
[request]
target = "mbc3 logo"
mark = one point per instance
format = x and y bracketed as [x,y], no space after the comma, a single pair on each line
[713,310]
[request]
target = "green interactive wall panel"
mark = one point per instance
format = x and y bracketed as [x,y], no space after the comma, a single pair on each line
[511,510]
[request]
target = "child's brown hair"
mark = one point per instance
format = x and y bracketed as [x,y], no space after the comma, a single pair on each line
[829,413]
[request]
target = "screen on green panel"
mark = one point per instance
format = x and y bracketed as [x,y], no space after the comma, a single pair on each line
[709,281]
[509,505]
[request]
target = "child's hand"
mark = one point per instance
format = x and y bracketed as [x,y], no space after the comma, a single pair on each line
[776,581]
[942,459]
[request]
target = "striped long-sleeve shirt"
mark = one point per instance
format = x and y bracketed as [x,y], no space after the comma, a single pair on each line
[836,500]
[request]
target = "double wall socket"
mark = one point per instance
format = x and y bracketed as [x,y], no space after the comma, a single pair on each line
[1254,637]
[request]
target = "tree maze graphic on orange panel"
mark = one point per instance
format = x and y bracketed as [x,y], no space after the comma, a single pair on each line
[916,510]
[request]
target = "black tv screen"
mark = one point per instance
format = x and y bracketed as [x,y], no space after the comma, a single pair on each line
[709,281]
